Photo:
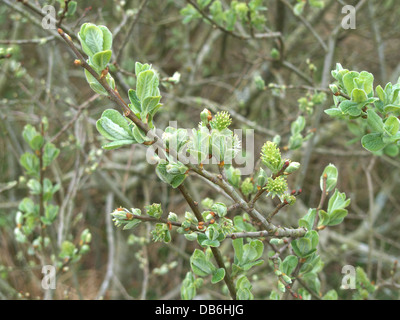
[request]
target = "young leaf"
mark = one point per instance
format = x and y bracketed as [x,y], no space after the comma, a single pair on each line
[199,263]
[374,121]
[107,38]
[32,137]
[147,84]
[358,95]
[238,248]
[218,275]
[117,144]
[336,217]
[331,173]
[308,220]
[392,125]
[136,106]
[91,38]
[175,180]
[219,208]
[373,142]
[101,59]
[30,162]
[289,264]
[149,104]
[50,153]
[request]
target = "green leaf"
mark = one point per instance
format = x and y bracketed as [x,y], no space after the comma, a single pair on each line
[138,134]
[101,59]
[242,225]
[117,144]
[67,250]
[298,8]
[313,264]
[331,173]
[337,201]
[30,162]
[149,105]
[147,85]
[336,217]
[50,153]
[136,106]
[301,247]
[306,245]
[348,81]
[92,39]
[289,264]
[199,264]
[94,84]
[391,150]
[32,137]
[243,289]
[220,209]
[172,179]
[392,108]
[203,3]
[334,112]
[365,81]
[391,125]
[218,275]
[323,218]
[113,126]
[358,95]
[139,67]
[259,246]
[199,144]
[51,212]
[351,108]
[238,248]
[330,295]
[373,142]
[308,220]
[71,8]
[34,186]
[132,224]
[374,121]
[381,93]
[107,38]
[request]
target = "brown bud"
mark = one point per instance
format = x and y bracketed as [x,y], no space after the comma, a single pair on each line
[129,216]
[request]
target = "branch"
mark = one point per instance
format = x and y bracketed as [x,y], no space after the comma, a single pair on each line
[321,201]
[217,254]
[254,213]
[234,34]
[113,94]
[307,25]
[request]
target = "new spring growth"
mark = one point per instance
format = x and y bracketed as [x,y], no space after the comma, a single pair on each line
[247,186]
[124,217]
[205,117]
[221,121]
[271,156]
[293,166]
[276,186]
[334,88]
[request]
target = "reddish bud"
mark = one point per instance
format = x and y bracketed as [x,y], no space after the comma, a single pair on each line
[129,216]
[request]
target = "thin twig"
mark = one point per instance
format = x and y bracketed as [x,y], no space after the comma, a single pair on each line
[233,34]
[128,33]
[217,254]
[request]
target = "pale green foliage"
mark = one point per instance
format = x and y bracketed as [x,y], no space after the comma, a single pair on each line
[375,111]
